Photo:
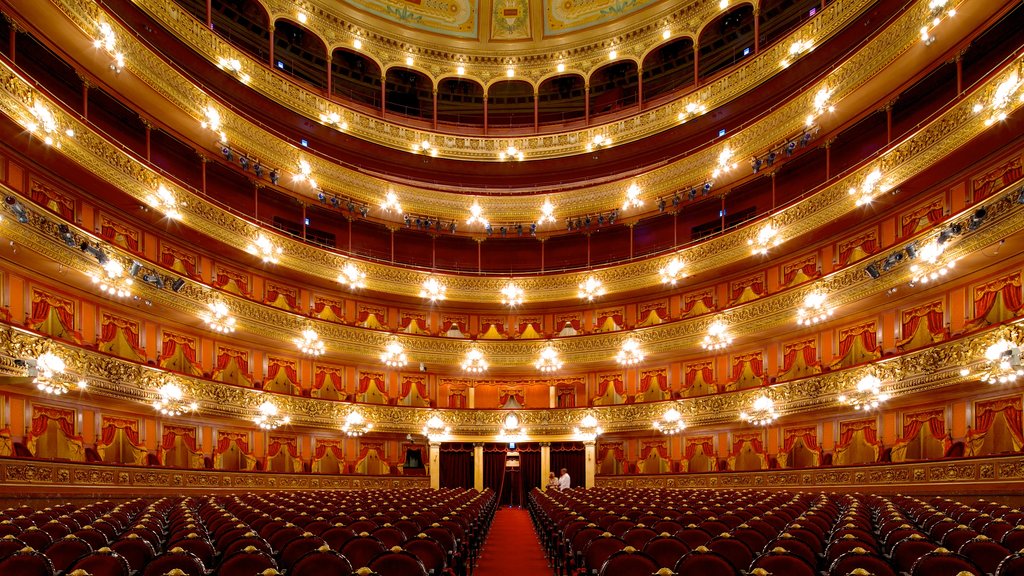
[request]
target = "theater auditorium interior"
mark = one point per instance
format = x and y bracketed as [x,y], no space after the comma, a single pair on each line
[511,287]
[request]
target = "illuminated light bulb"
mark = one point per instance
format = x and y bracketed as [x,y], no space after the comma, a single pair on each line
[460,70]
[560,68]
[357,44]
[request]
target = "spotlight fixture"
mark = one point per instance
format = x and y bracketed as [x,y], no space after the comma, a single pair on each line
[633,199]
[177,285]
[767,237]
[309,343]
[352,276]
[814,310]
[433,289]
[548,361]
[135,268]
[588,429]
[951,231]
[977,218]
[393,355]
[476,215]
[590,288]
[268,418]
[718,337]
[356,425]
[265,249]
[390,203]
[673,271]
[512,295]
[762,412]
[170,400]
[113,281]
[164,201]
[219,319]
[630,354]
[872,270]
[96,251]
[868,394]
[671,422]
[154,279]
[22,215]
[474,362]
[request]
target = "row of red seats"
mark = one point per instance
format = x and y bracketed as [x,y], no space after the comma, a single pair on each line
[391,533]
[729,532]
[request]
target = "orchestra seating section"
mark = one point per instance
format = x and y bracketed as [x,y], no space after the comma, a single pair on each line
[639,532]
[388,533]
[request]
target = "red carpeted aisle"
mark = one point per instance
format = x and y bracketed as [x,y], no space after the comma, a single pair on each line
[512,547]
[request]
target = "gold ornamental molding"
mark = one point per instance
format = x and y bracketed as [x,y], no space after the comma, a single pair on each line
[29,476]
[1001,475]
[152,69]
[766,315]
[912,373]
[917,153]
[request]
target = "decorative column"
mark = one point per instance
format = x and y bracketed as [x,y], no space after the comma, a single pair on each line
[590,462]
[552,399]
[270,53]
[471,397]
[545,464]
[435,465]
[478,465]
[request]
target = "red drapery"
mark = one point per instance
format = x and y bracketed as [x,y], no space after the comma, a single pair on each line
[505,393]
[171,433]
[703,442]
[705,299]
[658,447]
[756,442]
[807,348]
[808,267]
[867,243]
[274,292]
[704,369]
[53,200]
[457,398]
[848,336]
[224,278]
[320,305]
[985,296]
[486,326]
[572,321]
[325,446]
[42,416]
[408,322]
[986,414]
[120,235]
[277,444]
[756,363]
[325,374]
[920,218]
[660,311]
[913,423]
[110,426]
[932,314]
[226,439]
[616,381]
[809,437]
[870,428]
[366,379]
[658,376]
[535,324]
[614,447]
[173,343]
[447,324]
[419,383]
[756,285]
[226,355]
[43,303]
[275,365]
[176,260]
[615,315]
[566,396]
[130,330]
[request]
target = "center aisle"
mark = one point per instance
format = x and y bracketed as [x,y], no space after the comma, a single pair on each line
[512,547]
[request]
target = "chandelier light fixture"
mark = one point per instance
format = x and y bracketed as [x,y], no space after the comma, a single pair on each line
[671,422]
[937,10]
[588,429]
[305,174]
[265,249]
[512,430]
[474,362]
[268,418]
[767,238]
[219,318]
[390,202]
[598,141]
[44,124]
[673,271]
[548,361]
[51,376]
[512,295]
[633,199]
[393,355]
[164,201]
[113,281]
[212,121]
[334,119]
[425,146]
[309,343]
[871,187]
[433,289]
[590,288]
[356,425]
[108,41]
[1002,363]
[867,396]
[814,310]
[691,110]
[725,163]
[510,153]
[630,354]
[821,105]
[436,430]
[352,276]
[999,106]
[170,400]
[234,66]
[476,215]
[930,266]
[797,49]
[762,412]
[547,212]
[717,337]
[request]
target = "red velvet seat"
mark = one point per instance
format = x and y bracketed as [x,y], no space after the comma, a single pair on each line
[251,539]
[953,539]
[66,551]
[735,551]
[860,558]
[321,561]
[94,537]
[197,545]
[56,529]
[103,562]
[36,538]
[298,548]
[752,538]
[176,558]
[837,548]
[984,552]
[361,549]
[906,552]
[389,536]
[397,562]
[705,563]
[135,549]
[629,562]
[1013,539]
[779,561]
[246,562]
[638,536]
[430,552]
[942,562]
[337,536]
[9,545]
[693,536]
[1012,565]
[600,549]
[27,562]
[794,546]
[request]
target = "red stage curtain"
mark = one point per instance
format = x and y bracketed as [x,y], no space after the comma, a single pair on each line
[756,366]
[912,427]
[456,462]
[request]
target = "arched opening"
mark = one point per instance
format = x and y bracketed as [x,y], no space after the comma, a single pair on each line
[726,40]
[243,23]
[668,68]
[780,17]
[300,53]
[510,104]
[614,88]
[460,101]
[409,93]
[561,99]
[196,8]
[355,78]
